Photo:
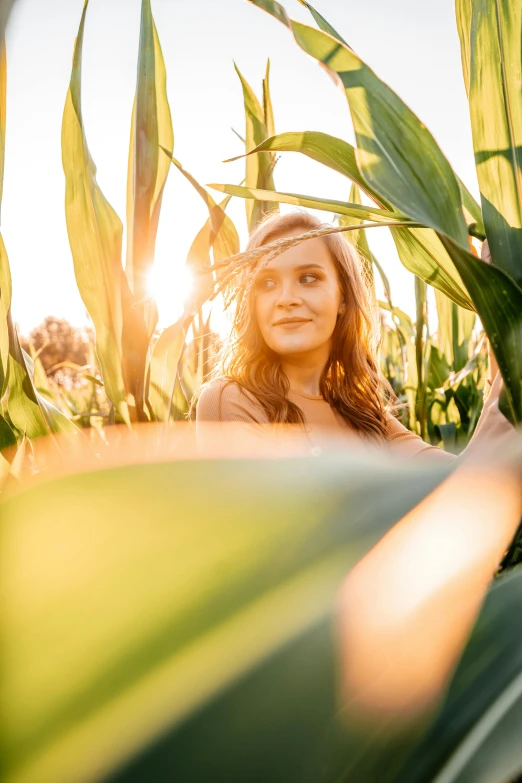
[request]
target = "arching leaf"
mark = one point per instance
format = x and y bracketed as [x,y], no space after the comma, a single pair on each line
[95,237]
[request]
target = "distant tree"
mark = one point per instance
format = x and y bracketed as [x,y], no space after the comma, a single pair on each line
[58,342]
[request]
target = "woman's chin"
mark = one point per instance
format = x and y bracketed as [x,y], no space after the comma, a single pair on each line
[287,348]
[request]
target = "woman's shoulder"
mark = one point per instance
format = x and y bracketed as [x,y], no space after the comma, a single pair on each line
[226,400]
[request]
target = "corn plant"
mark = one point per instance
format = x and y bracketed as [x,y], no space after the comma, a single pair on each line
[259,125]
[24,411]
[398,164]
[140,370]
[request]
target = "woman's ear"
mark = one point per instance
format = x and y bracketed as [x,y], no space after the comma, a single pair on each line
[342,308]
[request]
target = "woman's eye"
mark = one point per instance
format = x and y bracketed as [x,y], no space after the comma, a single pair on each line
[265,284]
[309,278]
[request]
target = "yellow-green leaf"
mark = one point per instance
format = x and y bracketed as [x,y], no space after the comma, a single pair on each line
[259,168]
[95,237]
[495,98]
[133,600]
[164,369]
[396,154]
[342,207]
[148,167]
[463,10]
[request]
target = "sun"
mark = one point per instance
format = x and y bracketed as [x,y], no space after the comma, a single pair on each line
[171,288]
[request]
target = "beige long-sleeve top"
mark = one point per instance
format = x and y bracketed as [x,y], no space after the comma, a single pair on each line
[226,401]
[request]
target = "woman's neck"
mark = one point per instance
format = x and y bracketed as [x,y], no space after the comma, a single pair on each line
[304,373]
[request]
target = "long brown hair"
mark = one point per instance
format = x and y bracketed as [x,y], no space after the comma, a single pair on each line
[351,382]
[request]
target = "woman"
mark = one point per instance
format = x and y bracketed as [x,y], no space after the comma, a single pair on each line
[303,349]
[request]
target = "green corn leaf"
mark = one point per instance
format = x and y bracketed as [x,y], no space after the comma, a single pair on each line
[259,168]
[148,167]
[323,24]
[95,237]
[475,736]
[406,330]
[473,210]
[496,120]
[420,250]
[455,327]
[23,403]
[385,281]
[418,180]
[360,240]
[463,11]
[343,208]
[176,624]
[339,155]
[423,254]
[422,346]
[164,363]
[18,464]
[498,302]
[7,436]
[30,412]
[218,235]
[147,174]
[268,110]
[335,153]
[5,469]
[224,238]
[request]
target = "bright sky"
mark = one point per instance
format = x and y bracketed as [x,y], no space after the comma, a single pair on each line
[412,45]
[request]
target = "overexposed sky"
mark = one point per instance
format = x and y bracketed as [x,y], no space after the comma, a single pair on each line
[412,45]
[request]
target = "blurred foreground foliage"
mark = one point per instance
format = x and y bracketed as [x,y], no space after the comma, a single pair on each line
[175,619]
[153,631]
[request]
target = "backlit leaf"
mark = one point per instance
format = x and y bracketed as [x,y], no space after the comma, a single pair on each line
[95,237]
[463,11]
[196,591]
[259,168]
[148,166]
[396,153]
[343,208]
[495,100]
[498,302]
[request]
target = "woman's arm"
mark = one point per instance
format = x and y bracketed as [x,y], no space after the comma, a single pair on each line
[407,608]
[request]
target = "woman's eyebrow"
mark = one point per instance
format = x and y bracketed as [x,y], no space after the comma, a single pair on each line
[273,270]
[310,266]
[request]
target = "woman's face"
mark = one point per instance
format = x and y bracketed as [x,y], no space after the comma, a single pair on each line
[298,298]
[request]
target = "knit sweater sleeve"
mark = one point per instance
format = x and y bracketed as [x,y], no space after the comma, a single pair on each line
[224,400]
[410,445]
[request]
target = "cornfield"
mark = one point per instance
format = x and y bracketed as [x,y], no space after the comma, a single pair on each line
[194,648]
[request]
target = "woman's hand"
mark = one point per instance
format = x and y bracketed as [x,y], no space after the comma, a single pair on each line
[495,441]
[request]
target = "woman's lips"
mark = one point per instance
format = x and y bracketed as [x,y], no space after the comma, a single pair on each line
[292,324]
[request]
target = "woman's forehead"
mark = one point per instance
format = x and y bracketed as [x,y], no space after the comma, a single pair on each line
[310,251]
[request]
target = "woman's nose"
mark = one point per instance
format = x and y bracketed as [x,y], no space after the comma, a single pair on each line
[288,295]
